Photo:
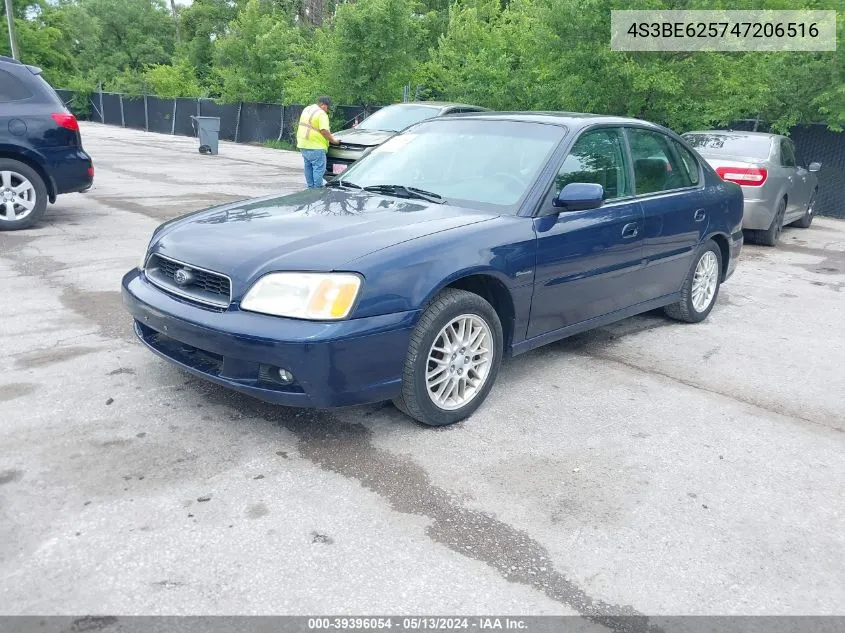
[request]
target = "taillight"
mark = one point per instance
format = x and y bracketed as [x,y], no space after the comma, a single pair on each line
[67,121]
[745,176]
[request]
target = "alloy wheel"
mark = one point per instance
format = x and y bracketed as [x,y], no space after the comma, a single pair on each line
[704,281]
[459,361]
[17,196]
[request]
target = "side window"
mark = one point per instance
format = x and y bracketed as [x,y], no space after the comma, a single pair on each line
[787,155]
[597,157]
[12,89]
[688,161]
[656,166]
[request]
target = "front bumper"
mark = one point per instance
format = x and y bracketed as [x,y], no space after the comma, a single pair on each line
[341,363]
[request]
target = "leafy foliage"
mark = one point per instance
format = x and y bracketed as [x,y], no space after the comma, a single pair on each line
[502,54]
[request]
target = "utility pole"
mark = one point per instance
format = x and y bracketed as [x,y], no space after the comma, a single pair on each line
[10,18]
[175,19]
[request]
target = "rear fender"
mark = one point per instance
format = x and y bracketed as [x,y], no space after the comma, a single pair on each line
[35,161]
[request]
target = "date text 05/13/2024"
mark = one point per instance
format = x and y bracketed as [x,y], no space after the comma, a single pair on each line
[417,624]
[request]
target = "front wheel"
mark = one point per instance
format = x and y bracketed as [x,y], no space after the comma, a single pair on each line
[807,219]
[701,286]
[453,359]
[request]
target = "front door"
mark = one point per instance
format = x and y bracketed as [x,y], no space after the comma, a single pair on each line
[586,259]
[798,191]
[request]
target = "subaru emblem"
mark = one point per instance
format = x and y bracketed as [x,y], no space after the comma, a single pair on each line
[183,276]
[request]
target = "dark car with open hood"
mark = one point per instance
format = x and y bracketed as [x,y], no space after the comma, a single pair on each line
[382,125]
[457,243]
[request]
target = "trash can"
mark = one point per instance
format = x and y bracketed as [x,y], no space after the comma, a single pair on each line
[208,133]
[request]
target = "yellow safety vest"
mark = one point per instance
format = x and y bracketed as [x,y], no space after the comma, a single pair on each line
[308,135]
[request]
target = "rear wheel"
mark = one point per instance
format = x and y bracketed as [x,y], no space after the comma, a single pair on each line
[701,287]
[770,236]
[807,219]
[23,195]
[453,359]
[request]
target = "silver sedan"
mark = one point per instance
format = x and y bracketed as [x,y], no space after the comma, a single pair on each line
[779,187]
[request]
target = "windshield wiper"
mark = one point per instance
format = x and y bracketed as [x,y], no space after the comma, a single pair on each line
[407,192]
[337,182]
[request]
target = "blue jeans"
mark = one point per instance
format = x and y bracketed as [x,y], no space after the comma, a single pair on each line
[315,167]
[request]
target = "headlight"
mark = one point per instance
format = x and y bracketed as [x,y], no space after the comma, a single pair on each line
[316,296]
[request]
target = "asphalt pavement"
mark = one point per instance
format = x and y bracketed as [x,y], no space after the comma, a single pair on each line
[649,467]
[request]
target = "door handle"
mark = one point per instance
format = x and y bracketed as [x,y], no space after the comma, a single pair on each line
[629,231]
[699,216]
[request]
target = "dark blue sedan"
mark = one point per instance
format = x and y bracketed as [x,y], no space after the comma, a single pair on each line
[459,242]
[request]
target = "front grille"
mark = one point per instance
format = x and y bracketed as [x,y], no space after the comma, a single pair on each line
[184,280]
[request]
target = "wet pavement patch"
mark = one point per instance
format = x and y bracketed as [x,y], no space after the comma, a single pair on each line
[105,309]
[10,476]
[346,449]
[16,390]
[50,356]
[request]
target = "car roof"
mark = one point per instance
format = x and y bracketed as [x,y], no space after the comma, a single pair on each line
[35,70]
[436,104]
[736,133]
[571,120]
[11,60]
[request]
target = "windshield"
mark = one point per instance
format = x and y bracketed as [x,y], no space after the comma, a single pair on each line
[715,144]
[474,163]
[396,118]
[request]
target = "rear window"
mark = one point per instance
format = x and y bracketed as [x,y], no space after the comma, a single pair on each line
[47,91]
[12,88]
[730,144]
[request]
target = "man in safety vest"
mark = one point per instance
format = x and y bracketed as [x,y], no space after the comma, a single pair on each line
[312,139]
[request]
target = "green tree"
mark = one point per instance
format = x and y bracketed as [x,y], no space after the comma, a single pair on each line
[169,81]
[129,36]
[258,56]
[372,50]
[201,24]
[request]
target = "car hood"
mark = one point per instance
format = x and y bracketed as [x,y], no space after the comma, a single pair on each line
[314,230]
[368,138]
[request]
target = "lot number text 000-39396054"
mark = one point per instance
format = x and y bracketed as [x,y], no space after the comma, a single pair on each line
[803,30]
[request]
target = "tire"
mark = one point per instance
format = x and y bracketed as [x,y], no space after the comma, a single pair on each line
[447,308]
[807,219]
[23,190]
[770,236]
[688,309]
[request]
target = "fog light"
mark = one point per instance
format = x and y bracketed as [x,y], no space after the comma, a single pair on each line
[285,376]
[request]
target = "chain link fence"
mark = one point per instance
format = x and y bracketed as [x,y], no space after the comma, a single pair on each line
[239,122]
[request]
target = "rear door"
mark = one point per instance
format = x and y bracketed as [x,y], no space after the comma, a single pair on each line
[586,260]
[797,191]
[676,210]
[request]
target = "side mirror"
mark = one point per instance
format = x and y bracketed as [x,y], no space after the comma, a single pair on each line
[580,196]
[814,167]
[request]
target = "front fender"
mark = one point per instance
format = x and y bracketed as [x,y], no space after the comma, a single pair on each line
[405,277]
